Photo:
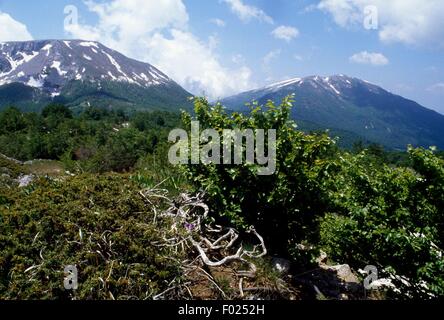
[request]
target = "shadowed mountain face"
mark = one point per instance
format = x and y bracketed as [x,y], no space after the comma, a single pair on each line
[75,72]
[353,105]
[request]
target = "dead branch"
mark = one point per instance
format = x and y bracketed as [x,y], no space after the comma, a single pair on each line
[191,228]
[241,285]
[208,262]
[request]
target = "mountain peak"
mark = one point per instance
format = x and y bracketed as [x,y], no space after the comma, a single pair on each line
[80,73]
[358,107]
[335,84]
[49,64]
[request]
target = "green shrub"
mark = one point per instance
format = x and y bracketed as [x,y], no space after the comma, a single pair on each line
[391,218]
[285,206]
[98,223]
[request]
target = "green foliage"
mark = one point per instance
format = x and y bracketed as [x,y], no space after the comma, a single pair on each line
[23,96]
[358,208]
[366,207]
[57,110]
[98,223]
[391,218]
[154,170]
[98,140]
[12,120]
[284,206]
[377,154]
[9,172]
[10,167]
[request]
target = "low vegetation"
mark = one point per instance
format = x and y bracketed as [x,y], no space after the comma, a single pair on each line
[106,210]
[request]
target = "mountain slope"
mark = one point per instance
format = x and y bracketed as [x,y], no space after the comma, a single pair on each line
[81,73]
[354,105]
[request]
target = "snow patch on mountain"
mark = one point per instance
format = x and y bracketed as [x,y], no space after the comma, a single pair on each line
[56,65]
[334,89]
[36,83]
[89,44]
[28,57]
[284,83]
[47,48]
[114,63]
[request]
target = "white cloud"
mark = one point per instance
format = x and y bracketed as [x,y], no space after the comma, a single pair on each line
[12,30]
[285,33]
[194,65]
[157,32]
[373,58]
[218,22]
[238,59]
[213,42]
[416,22]
[268,59]
[247,12]
[123,22]
[437,87]
[271,56]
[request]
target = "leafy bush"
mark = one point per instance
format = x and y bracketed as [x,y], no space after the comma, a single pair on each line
[11,120]
[391,218]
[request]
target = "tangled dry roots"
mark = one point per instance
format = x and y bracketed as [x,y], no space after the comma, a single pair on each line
[194,231]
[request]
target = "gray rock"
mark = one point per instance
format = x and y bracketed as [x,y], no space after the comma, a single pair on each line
[322,257]
[344,273]
[381,284]
[281,265]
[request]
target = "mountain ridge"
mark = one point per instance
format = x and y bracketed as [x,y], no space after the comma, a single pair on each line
[355,105]
[81,73]
[52,68]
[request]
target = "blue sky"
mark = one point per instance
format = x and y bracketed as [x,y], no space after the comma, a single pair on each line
[221,47]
